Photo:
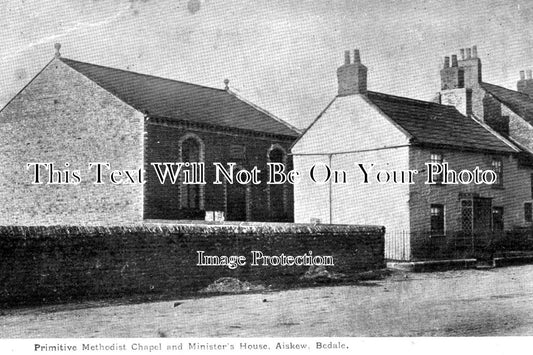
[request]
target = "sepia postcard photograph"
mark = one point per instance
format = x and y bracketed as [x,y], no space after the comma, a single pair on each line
[203,176]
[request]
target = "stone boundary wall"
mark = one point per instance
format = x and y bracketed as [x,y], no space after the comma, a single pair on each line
[63,263]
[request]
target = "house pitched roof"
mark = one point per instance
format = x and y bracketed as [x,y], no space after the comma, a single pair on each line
[160,97]
[438,125]
[518,102]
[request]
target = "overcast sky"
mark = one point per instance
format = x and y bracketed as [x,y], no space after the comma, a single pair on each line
[282,55]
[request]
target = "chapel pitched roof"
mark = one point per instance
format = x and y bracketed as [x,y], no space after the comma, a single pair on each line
[160,97]
[438,125]
[519,103]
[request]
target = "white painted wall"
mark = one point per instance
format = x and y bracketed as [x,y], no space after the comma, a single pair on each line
[351,123]
[353,131]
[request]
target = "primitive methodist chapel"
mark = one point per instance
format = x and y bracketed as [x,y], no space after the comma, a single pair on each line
[78,120]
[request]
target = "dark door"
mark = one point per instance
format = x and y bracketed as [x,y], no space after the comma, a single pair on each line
[476,215]
[482,215]
[236,202]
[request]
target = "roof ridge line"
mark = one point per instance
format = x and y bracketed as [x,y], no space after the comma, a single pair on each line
[524,95]
[239,97]
[27,84]
[403,98]
[492,131]
[503,87]
[304,131]
[141,74]
[410,136]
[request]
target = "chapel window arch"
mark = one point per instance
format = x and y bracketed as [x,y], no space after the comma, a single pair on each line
[278,212]
[191,150]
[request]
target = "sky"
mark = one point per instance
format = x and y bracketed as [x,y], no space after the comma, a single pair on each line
[279,54]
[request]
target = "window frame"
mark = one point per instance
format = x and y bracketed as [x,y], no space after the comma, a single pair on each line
[438,158]
[501,211]
[183,188]
[285,189]
[528,212]
[498,170]
[531,183]
[441,215]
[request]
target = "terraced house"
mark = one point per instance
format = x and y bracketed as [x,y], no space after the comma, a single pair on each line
[374,135]
[72,114]
[508,112]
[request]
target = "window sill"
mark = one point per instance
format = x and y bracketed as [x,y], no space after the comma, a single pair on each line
[438,184]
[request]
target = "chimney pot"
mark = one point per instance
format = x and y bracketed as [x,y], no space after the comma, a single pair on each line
[462,53]
[352,77]
[474,51]
[346,57]
[57,47]
[524,85]
[226,84]
[356,56]
[468,53]
[454,60]
[446,62]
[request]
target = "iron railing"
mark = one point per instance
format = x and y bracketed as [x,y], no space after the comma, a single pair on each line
[413,246]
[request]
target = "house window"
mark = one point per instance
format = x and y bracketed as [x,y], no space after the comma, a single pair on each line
[528,212]
[437,219]
[497,167]
[437,159]
[497,218]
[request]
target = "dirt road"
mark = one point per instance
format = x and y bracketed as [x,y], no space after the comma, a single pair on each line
[493,302]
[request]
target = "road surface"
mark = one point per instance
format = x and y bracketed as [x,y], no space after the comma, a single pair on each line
[495,302]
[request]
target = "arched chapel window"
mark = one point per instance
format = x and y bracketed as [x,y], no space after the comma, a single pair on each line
[191,151]
[277,193]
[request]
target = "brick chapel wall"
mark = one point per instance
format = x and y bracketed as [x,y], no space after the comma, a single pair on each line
[516,189]
[63,117]
[162,142]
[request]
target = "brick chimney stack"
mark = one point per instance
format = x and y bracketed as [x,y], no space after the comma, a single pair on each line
[463,73]
[352,77]
[452,77]
[454,91]
[472,68]
[525,84]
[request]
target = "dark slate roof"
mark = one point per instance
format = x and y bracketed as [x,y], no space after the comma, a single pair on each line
[437,125]
[518,102]
[160,97]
